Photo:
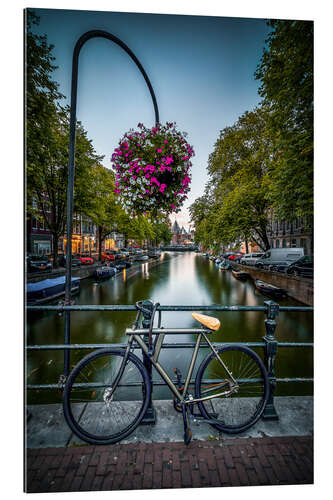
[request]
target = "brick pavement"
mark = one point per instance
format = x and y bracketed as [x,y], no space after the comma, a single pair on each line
[228,462]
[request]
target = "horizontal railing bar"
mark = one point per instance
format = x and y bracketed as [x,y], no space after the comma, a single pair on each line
[35,387]
[57,347]
[83,308]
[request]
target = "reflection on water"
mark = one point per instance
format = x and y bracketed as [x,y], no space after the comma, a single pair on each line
[175,279]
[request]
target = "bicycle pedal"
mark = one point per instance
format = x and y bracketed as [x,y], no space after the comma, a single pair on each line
[187,436]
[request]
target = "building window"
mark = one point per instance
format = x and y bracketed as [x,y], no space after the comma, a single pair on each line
[284,243]
[293,243]
[277,243]
[34,223]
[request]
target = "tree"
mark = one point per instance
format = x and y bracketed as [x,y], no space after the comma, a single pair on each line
[42,94]
[47,180]
[201,216]
[235,205]
[99,203]
[162,233]
[138,227]
[286,75]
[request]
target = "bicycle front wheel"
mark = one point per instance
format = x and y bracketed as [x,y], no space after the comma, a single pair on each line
[97,412]
[240,410]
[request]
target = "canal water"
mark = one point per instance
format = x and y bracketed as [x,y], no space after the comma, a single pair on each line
[175,279]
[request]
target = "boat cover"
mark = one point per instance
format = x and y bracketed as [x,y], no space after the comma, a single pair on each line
[44,284]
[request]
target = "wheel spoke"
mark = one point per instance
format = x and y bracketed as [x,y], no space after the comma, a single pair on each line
[243,407]
[110,412]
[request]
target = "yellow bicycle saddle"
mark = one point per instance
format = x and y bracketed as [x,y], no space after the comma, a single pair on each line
[208,321]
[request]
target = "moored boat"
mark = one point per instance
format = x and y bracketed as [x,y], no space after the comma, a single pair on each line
[50,289]
[269,289]
[141,258]
[239,275]
[122,265]
[224,266]
[154,254]
[104,272]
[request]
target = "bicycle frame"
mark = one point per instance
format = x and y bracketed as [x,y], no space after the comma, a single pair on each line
[134,335]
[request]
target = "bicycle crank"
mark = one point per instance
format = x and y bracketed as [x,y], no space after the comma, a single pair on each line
[108,395]
[187,429]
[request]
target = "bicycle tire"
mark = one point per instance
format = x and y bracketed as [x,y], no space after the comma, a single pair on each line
[238,412]
[97,421]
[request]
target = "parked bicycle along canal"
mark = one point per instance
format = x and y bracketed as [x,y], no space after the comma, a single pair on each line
[175,279]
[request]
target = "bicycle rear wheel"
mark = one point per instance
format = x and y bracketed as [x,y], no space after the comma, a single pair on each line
[92,414]
[240,410]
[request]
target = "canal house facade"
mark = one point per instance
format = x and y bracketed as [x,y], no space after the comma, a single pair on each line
[295,234]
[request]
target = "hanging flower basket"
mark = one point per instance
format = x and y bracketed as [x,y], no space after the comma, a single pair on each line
[152,169]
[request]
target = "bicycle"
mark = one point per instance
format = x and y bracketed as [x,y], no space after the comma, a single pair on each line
[108,392]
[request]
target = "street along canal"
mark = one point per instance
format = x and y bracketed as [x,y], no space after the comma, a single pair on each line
[175,279]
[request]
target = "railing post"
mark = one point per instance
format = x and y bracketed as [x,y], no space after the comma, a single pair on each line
[149,417]
[270,350]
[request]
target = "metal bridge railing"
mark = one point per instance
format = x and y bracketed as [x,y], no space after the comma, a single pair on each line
[269,342]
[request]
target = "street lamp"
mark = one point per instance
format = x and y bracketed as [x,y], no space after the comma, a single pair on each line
[71,167]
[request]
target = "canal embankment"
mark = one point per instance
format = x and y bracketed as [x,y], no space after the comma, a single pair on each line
[46,425]
[83,272]
[298,288]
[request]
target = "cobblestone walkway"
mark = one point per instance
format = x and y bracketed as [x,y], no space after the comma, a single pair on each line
[230,462]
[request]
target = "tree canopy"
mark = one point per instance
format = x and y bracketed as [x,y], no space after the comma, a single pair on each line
[263,164]
[286,76]
[235,206]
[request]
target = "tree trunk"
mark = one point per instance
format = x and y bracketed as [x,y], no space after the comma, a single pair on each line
[99,243]
[246,245]
[55,250]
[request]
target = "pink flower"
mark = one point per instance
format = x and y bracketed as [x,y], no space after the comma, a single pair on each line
[162,188]
[165,142]
[154,180]
[169,159]
[159,150]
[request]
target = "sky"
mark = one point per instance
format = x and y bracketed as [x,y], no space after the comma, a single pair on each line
[201,68]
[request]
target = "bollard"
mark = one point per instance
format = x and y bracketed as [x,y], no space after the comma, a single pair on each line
[150,416]
[270,348]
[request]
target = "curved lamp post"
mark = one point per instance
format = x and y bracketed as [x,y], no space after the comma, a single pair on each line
[71,168]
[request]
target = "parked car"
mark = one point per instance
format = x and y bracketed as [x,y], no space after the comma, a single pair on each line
[226,255]
[38,263]
[249,259]
[236,257]
[124,252]
[275,257]
[301,267]
[75,261]
[108,256]
[84,259]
